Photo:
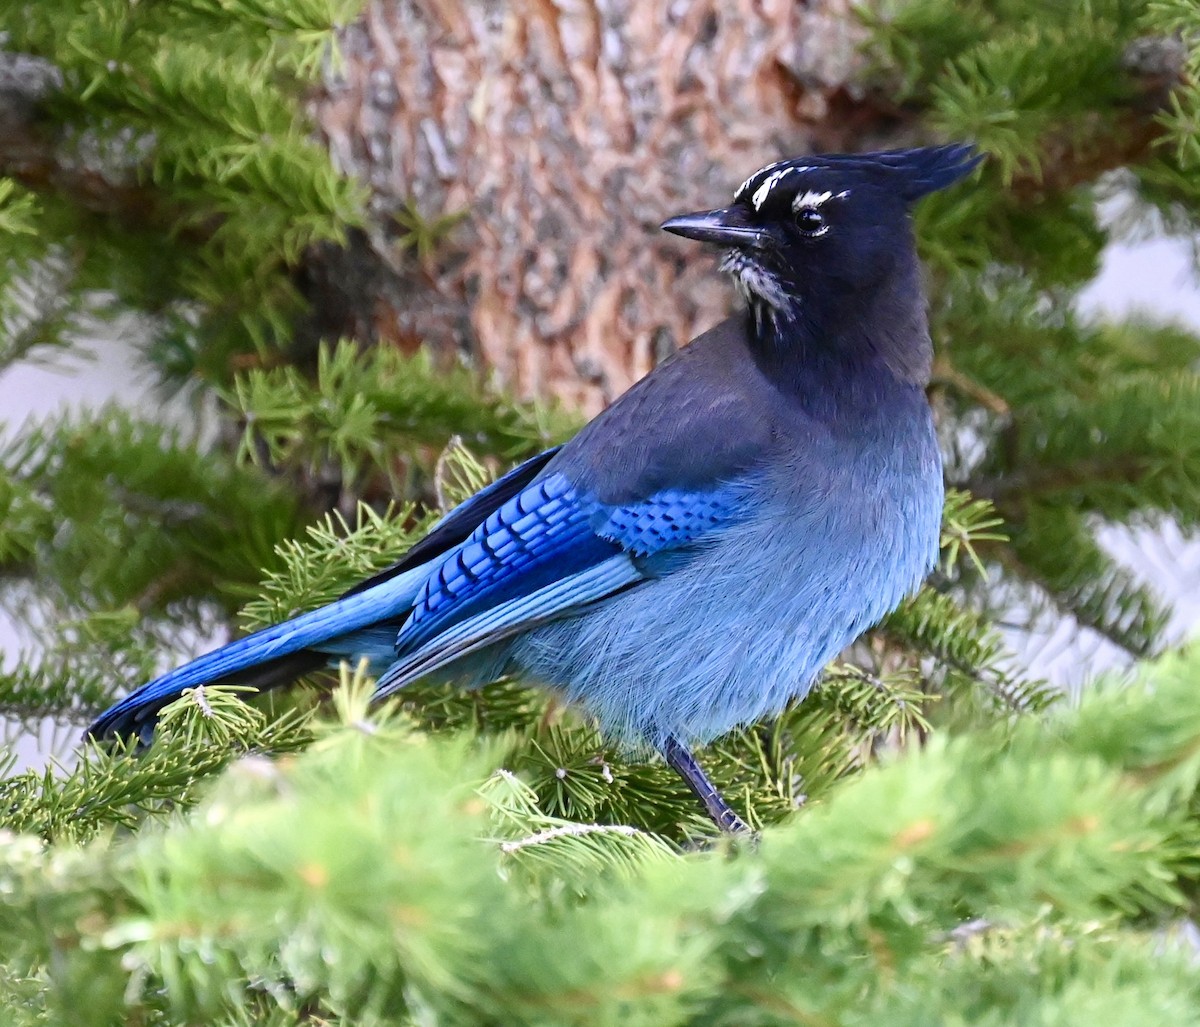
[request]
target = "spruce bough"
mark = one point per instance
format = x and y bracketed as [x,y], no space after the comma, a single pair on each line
[385,876]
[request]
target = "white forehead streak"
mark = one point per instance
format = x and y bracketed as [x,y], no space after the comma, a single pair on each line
[746,184]
[769,183]
[737,193]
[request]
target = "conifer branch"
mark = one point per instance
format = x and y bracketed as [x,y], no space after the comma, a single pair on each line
[278,892]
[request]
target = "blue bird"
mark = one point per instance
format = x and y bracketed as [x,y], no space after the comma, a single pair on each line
[695,555]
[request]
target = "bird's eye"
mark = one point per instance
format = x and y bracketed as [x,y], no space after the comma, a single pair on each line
[810,221]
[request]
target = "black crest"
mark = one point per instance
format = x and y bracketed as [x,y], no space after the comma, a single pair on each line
[908,174]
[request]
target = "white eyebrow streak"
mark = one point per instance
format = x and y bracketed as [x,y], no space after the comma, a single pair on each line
[810,199]
[815,199]
[769,183]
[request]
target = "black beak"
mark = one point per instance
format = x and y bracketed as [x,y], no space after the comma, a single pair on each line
[726,226]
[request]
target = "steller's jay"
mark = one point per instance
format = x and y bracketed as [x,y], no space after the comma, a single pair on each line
[692,558]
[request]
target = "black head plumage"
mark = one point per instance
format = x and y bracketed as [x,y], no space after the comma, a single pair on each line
[822,231]
[922,171]
[882,184]
[906,175]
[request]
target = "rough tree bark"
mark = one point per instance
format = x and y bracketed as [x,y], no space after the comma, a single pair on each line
[565,131]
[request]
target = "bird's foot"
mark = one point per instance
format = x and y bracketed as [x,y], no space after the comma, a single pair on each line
[680,759]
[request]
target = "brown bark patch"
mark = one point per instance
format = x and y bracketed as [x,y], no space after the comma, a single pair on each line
[567,130]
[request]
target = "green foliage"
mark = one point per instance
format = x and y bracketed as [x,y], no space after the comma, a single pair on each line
[1061,550]
[377,410]
[118,532]
[1170,182]
[334,558]
[190,110]
[119,788]
[109,511]
[423,235]
[968,522]
[768,769]
[18,209]
[35,310]
[1068,425]
[384,877]
[1008,74]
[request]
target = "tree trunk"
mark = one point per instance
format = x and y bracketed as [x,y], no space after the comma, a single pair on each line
[563,132]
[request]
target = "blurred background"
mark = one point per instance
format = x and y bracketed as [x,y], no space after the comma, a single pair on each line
[264,263]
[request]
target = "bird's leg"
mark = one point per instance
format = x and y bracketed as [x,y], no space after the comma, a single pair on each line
[684,764]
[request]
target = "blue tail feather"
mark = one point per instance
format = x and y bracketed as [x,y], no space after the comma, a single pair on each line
[321,629]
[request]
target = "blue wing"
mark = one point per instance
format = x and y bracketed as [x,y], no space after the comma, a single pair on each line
[547,553]
[458,524]
[545,549]
[364,621]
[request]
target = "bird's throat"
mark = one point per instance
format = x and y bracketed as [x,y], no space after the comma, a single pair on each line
[762,290]
[797,339]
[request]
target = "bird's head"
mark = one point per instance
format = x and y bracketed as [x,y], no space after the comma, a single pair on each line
[811,231]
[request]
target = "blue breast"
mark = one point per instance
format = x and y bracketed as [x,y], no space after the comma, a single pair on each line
[829,543]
